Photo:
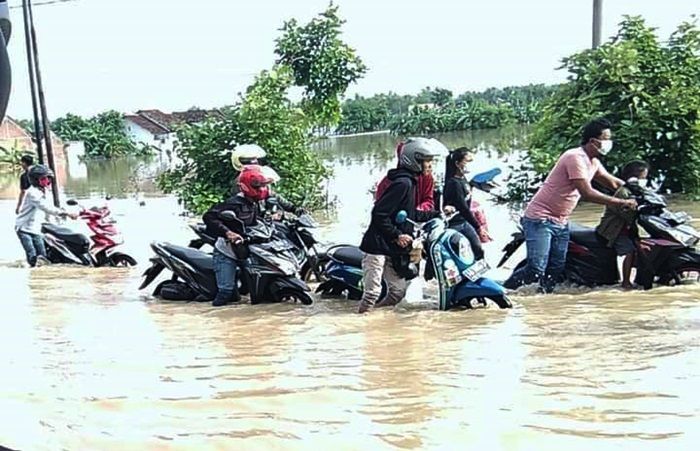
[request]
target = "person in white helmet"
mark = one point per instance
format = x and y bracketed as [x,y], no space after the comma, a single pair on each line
[246,154]
[252,154]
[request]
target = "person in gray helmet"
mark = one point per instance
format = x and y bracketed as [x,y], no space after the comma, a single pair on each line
[386,244]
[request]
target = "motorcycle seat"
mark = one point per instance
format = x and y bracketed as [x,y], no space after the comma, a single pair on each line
[198,259]
[585,236]
[349,255]
[66,234]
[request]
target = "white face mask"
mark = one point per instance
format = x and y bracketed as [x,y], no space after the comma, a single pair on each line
[642,182]
[606,146]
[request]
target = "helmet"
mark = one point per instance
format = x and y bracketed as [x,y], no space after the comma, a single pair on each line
[270,174]
[417,150]
[40,176]
[253,183]
[246,154]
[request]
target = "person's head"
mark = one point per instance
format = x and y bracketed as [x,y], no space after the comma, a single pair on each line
[253,182]
[26,161]
[40,176]
[246,154]
[456,162]
[637,169]
[417,154]
[596,137]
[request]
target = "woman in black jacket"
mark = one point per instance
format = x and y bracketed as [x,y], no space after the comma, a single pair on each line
[457,193]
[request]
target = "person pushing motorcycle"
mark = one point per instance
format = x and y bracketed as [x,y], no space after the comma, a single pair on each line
[254,188]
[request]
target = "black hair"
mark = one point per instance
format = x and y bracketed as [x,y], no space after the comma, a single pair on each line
[594,129]
[454,157]
[634,169]
[27,159]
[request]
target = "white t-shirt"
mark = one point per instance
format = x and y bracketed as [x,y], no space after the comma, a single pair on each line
[35,207]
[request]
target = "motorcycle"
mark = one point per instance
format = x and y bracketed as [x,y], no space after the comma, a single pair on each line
[64,245]
[343,270]
[269,270]
[450,259]
[299,231]
[667,256]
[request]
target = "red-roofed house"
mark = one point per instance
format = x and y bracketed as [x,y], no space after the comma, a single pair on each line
[144,129]
[157,129]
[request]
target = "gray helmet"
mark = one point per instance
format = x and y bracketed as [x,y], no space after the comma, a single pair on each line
[37,172]
[417,150]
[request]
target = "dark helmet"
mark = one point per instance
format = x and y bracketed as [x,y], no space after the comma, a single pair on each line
[39,175]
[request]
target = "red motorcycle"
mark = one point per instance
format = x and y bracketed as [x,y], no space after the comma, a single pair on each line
[64,245]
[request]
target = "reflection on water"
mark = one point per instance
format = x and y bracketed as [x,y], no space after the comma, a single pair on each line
[92,363]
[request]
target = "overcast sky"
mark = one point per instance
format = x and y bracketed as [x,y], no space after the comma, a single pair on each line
[137,54]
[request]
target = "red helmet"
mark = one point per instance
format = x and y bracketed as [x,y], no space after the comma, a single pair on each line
[253,183]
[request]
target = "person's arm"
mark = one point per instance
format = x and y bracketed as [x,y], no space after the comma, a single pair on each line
[628,214]
[43,205]
[20,200]
[577,171]
[288,206]
[604,177]
[213,222]
[591,195]
[396,194]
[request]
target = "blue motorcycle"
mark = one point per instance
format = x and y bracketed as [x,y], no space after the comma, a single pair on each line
[450,258]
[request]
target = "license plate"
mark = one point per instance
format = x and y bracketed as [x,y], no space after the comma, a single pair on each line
[476,270]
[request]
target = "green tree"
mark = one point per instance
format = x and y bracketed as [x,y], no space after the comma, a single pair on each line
[649,90]
[311,56]
[103,135]
[321,63]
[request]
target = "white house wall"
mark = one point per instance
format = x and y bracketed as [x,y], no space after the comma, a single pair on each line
[139,135]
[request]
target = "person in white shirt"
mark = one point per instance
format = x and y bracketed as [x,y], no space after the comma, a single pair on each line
[34,206]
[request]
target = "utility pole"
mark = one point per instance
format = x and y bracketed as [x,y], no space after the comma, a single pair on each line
[597,22]
[32,83]
[5,69]
[42,105]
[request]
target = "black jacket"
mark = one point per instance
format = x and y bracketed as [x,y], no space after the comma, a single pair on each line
[245,210]
[458,194]
[380,237]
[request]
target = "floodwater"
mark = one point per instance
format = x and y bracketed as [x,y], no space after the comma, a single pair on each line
[92,363]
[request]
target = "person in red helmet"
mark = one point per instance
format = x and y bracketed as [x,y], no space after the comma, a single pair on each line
[425,186]
[253,184]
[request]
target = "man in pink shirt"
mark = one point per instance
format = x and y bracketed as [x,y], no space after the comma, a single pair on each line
[546,218]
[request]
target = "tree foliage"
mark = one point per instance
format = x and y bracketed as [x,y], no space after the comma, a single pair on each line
[103,135]
[649,90]
[320,62]
[437,110]
[311,56]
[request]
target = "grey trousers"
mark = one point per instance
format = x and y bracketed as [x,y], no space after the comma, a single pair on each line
[374,268]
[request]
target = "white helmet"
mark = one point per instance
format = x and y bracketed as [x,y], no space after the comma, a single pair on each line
[270,174]
[246,154]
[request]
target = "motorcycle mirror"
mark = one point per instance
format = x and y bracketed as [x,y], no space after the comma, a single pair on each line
[401,217]
[72,202]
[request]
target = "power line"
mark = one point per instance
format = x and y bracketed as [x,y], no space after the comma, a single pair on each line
[48,2]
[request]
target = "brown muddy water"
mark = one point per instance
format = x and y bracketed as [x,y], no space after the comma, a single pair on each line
[92,363]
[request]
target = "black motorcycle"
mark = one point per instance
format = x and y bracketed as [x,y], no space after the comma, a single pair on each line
[269,269]
[670,259]
[299,231]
